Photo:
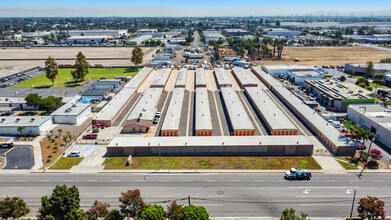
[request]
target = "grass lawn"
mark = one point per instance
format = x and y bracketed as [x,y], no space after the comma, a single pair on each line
[65,163]
[64,78]
[347,166]
[373,84]
[388,47]
[213,162]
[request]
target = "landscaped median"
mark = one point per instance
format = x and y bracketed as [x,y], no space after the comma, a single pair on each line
[65,163]
[213,162]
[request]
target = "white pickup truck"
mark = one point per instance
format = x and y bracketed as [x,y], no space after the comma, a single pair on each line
[299,174]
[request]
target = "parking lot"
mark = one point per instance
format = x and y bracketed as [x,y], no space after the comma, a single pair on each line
[93,154]
[18,157]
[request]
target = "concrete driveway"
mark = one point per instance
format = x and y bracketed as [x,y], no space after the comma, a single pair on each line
[93,157]
[18,157]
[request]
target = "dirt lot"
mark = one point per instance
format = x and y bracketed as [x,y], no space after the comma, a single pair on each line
[324,55]
[13,60]
[51,150]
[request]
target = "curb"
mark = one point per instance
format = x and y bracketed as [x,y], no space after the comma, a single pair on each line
[199,171]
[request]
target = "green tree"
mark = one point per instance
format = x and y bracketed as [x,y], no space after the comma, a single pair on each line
[132,203]
[62,204]
[348,126]
[192,212]
[379,78]
[13,208]
[342,78]
[362,81]
[33,99]
[137,56]
[369,68]
[47,105]
[114,215]
[174,211]
[290,214]
[99,209]
[81,68]
[278,23]
[59,131]
[387,60]
[153,212]
[21,129]
[371,208]
[51,69]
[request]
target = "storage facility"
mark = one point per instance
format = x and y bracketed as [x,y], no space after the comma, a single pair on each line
[376,118]
[71,113]
[216,145]
[141,117]
[236,114]
[161,78]
[171,121]
[109,114]
[181,79]
[33,125]
[222,78]
[267,79]
[276,120]
[243,77]
[200,79]
[203,120]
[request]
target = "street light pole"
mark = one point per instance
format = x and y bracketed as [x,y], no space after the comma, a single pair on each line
[366,162]
[354,197]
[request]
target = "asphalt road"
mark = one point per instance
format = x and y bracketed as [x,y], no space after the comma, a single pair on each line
[224,195]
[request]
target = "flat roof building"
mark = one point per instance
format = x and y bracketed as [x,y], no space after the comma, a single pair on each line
[71,113]
[141,117]
[222,78]
[115,33]
[236,32]
[203,120]
[145,32]
[281,32]
[243,77]
[181,79]
[360,68]
[96,94]
[161,78]
[172,118]
[33,125]
[87,39]
[295,73]
[267,79]
[200,79]
[213,35]
[237,115]
[139,40]
[276,120]
[15,103]
[111,84]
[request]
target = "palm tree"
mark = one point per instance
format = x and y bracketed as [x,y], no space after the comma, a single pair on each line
[51,132]
[59,131]
[348,125]
[366,135]
[21,129]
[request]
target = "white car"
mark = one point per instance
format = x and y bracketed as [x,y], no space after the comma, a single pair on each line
[74,154]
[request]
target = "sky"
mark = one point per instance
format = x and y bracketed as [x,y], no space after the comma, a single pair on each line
[190,8]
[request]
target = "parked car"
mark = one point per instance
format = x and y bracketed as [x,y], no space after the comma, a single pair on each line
[6,145]
[158,114]
[155,120]
[90,136]
[74,154]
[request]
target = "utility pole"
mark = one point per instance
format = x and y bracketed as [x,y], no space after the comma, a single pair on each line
[354,197]
[160,160]
[188,198]
[366,162]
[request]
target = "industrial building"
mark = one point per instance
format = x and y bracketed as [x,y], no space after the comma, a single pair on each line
[171,121]
[267,79]
[14,103]
[115,33]
[139,40]
[359,68]
[213,35]
[276,120]
[200,79]
[243,77]
[203,120]
[336,95]
[87,39]
[376,118]
[161,78]
[96,94]
[181,79]
[145,32]
[141,117]
[222,78]
[216,145]
[281,32]
[236,32]
[71,113]
[236,114]
[295,73]
[33,125]
[110,84]
[109,114]
[328,133]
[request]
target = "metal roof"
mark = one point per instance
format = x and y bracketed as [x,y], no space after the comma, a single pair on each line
[203,119]
[181,79]
[210,141]
[200,77]
[12,100]
[139,78]
[376,113]
[236,112]
[273,115]
[173,115]
[23,121]
[161,78]
[243,76]
[268,78]
[146,106]
[71,109]
[95,92]
[222,77]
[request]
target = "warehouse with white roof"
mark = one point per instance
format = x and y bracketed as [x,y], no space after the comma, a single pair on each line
[203,120]
[181,79]
[71,113]
[161,78]
[237,115]
[141,117]
[243,77]
[277,122]
[172,118]
[200,79]
[33,125]
[222,78]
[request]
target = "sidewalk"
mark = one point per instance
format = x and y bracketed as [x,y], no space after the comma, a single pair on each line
[329,164]
[38,164]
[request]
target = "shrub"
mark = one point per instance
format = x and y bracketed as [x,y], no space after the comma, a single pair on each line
[48,160]
[50,156]
[153,212]
[192,212]
[55,147]
[203,162]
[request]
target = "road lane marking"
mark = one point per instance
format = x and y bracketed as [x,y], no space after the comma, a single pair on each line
[91,180]
[187,180]
[258,181]
[8,151]
[210,180]
[21,181]
[323,204]
[115,180]
[162,180]
[379,181]
[306,191]
[324,187]
[331,181]
[341,196]
[234,180]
